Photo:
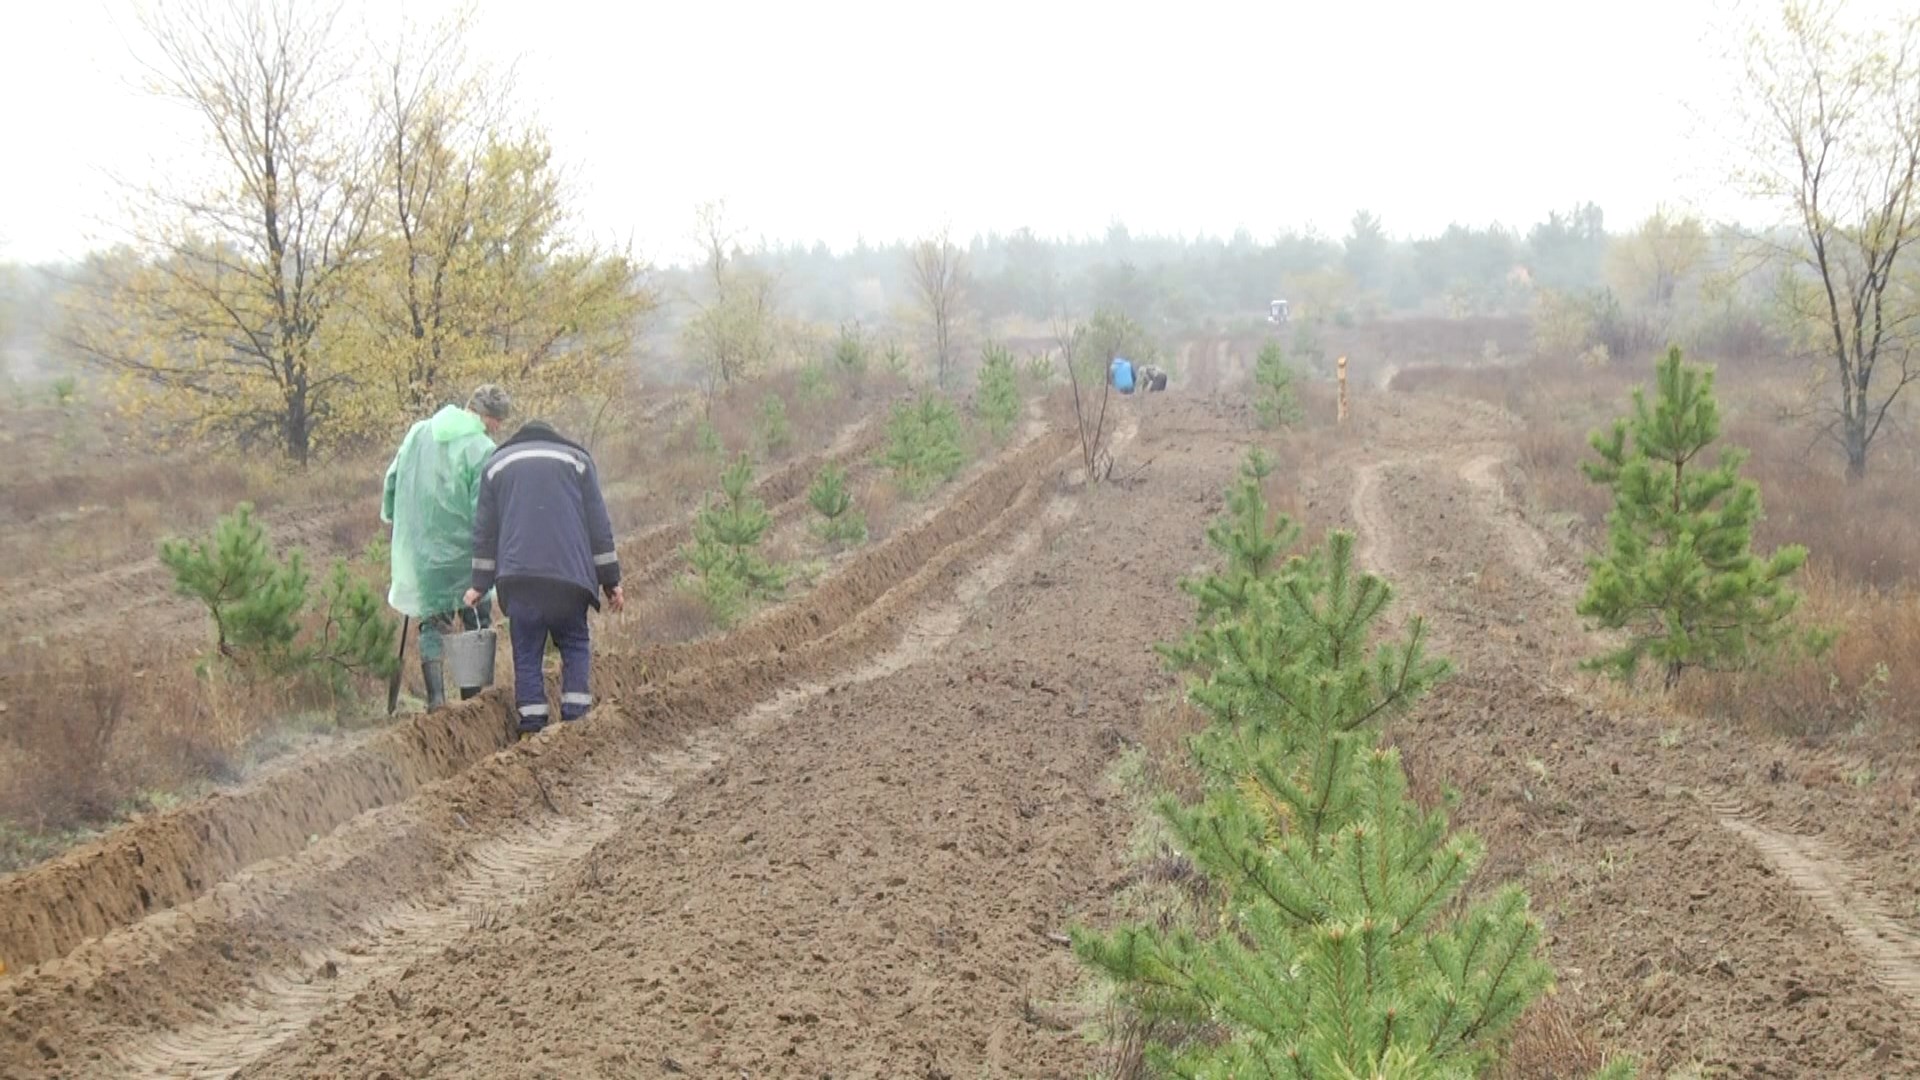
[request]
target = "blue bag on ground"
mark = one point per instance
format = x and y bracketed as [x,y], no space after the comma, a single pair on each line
[1122,374]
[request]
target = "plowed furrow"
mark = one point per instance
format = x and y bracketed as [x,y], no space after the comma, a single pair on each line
[166,860]
[266,938]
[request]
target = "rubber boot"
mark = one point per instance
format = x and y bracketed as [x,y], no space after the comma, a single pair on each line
[430,672]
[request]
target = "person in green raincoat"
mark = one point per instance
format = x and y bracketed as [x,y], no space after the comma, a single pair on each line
[432,489]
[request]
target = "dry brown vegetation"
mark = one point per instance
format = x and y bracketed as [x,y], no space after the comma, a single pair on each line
[1864,554]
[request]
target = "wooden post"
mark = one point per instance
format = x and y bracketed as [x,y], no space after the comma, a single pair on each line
[1343,390]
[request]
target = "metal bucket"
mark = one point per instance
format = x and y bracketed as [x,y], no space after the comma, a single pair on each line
[469,656]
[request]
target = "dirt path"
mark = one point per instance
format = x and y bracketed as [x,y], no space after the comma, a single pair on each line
[1683,929]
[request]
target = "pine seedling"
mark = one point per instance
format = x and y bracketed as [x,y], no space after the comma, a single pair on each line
[729,572]
[776,432]
[1679,574]
[997,401]
[259,606]
[839,522]
[254,600]
[815,387]
[1344,944]
[1252,541]
[850,352]
[356,636]
[1275,400]
[924,444]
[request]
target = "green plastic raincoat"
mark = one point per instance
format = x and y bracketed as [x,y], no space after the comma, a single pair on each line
[432,489]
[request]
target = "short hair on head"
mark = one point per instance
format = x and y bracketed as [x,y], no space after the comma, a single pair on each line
[490,400]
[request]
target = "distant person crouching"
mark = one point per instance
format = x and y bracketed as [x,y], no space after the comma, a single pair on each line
[543,538]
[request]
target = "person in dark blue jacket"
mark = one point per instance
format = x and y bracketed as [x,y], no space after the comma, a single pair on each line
[542,537]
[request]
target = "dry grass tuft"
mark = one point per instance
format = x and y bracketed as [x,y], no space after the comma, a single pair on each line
[881,503]
[679,618]
[1547,1042]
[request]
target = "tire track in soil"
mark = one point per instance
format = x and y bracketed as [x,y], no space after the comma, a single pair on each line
[1839,890]
[1525,544]
[507,872]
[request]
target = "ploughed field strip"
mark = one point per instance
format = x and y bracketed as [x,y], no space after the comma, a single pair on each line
[844,838]
[652,697]
[169,858]
[869,881]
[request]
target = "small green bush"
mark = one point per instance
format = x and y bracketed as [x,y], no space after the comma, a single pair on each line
[815,387]
[776,432]
[850,352]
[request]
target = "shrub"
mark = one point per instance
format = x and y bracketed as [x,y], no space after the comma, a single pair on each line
[850,352]
[896,359]
[924,447]
[815,387]
[776,432]
[707,439]
[62,731]
[839,522]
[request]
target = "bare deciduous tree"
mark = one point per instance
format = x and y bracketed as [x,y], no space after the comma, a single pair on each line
[940,278]
[1835,119]
[1071,341]
[735,332]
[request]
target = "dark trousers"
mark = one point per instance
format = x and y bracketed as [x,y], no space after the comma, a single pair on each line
[534,618]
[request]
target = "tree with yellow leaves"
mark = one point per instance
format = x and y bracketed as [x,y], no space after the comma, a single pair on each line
[475,278]
[332,287]
[219,315]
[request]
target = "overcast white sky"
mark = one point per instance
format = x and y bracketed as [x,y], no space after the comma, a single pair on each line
[832,120]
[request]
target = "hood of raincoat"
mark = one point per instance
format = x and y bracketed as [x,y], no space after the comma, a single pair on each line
[432,489]
[453,422]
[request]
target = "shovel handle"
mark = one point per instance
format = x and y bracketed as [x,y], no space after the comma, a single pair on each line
[399,665]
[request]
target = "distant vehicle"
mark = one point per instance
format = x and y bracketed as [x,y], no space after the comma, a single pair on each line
[1277,312]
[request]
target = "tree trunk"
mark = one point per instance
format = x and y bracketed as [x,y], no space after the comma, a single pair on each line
[1856,447]
[299,423]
